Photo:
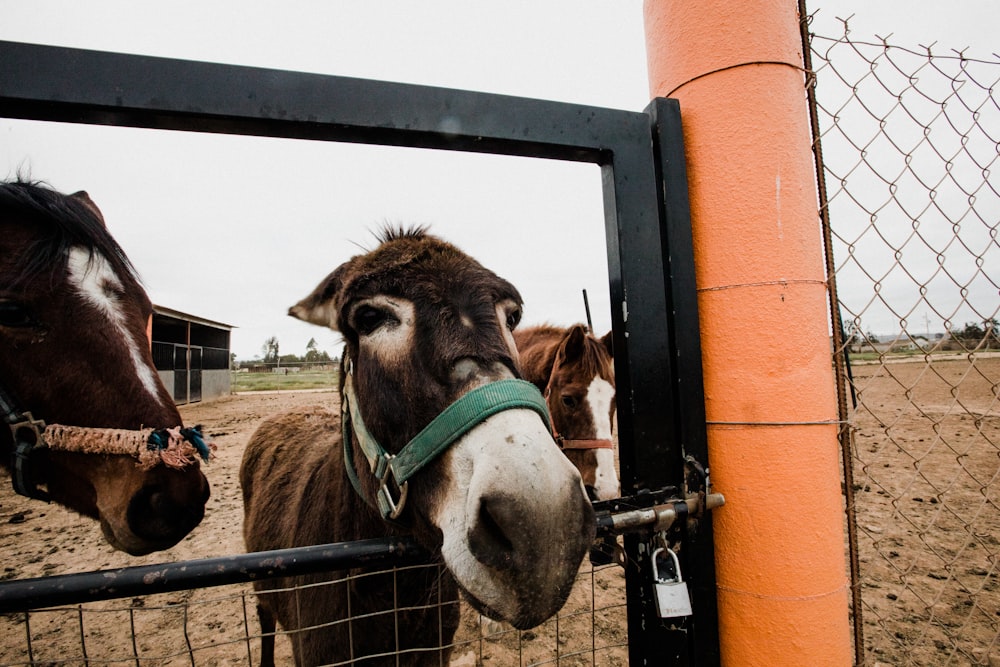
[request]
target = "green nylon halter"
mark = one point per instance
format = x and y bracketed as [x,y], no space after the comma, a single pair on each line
[455,421]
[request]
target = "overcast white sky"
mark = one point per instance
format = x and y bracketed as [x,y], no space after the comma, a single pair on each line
[236,229]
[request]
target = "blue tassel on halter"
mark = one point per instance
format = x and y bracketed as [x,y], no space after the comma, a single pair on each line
[157,440]
[160,440]
[193,435]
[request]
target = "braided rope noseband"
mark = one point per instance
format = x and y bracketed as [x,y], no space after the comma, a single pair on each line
[176,447]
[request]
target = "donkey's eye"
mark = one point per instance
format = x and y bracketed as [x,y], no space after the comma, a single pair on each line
[568,401]
[367,319]
[513,318]
[15,314]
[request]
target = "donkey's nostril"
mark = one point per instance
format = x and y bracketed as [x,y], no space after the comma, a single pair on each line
[489,538]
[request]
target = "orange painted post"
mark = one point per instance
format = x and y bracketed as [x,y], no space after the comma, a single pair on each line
[736,68]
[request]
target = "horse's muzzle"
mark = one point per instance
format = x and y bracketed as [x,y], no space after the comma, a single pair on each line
[163,513]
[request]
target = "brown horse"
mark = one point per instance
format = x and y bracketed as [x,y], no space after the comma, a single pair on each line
[74,352]
[463,460]
[575,372]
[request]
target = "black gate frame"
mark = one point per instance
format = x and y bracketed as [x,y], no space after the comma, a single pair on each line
[661,415]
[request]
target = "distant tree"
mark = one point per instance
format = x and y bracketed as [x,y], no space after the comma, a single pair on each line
[971,332]
[870,339]
[270,349]
[992,332]
[853,337]
[974,333]
[314,354]
[233,364]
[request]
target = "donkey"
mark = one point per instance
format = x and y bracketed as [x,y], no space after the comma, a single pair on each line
[74,354]
[463,457]
[575,371]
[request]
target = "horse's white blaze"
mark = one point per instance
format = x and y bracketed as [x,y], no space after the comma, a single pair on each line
[95,280]
[511,452]
[599,396]
[606,485]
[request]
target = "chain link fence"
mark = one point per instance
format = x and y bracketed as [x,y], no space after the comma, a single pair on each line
[909,142]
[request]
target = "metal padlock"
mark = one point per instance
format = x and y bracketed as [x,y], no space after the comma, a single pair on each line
[672,598]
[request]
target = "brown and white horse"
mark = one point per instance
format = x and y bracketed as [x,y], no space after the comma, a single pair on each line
[74,352]
[575,372]
[427,333]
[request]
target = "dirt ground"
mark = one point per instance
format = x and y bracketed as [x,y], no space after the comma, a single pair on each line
[926,486]
[927,491]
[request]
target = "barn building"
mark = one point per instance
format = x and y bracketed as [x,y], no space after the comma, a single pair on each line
[191,355]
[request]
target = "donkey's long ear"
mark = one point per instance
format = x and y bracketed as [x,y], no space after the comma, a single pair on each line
[322,305]
[607,340]
[85,199]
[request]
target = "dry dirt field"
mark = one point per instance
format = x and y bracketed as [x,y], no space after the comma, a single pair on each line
[927,489]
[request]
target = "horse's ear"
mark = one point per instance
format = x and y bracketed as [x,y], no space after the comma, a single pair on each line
[85,199]
[607,340]
[573,344]
[322,305]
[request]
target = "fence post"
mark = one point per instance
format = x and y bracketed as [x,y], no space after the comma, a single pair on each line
[736,69]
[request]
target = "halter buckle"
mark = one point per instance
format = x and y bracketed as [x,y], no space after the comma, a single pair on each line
[389,507]
[31,427]
[27,437]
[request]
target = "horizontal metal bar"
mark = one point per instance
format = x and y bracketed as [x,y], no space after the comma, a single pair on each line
[656,518]
[82,86]
[67,589]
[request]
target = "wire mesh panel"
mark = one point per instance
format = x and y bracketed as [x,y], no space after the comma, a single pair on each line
[910,142]
[219,627]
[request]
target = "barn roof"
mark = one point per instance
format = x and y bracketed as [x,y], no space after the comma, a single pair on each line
[187,317]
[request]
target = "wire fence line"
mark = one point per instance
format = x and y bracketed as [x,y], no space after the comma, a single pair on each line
[218,626]
[910,147]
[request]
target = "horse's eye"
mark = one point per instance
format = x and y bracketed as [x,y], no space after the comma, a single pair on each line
[15,314]
[513,318]
[368,319]
[568,401]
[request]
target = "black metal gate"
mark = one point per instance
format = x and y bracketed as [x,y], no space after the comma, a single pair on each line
[654,310]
